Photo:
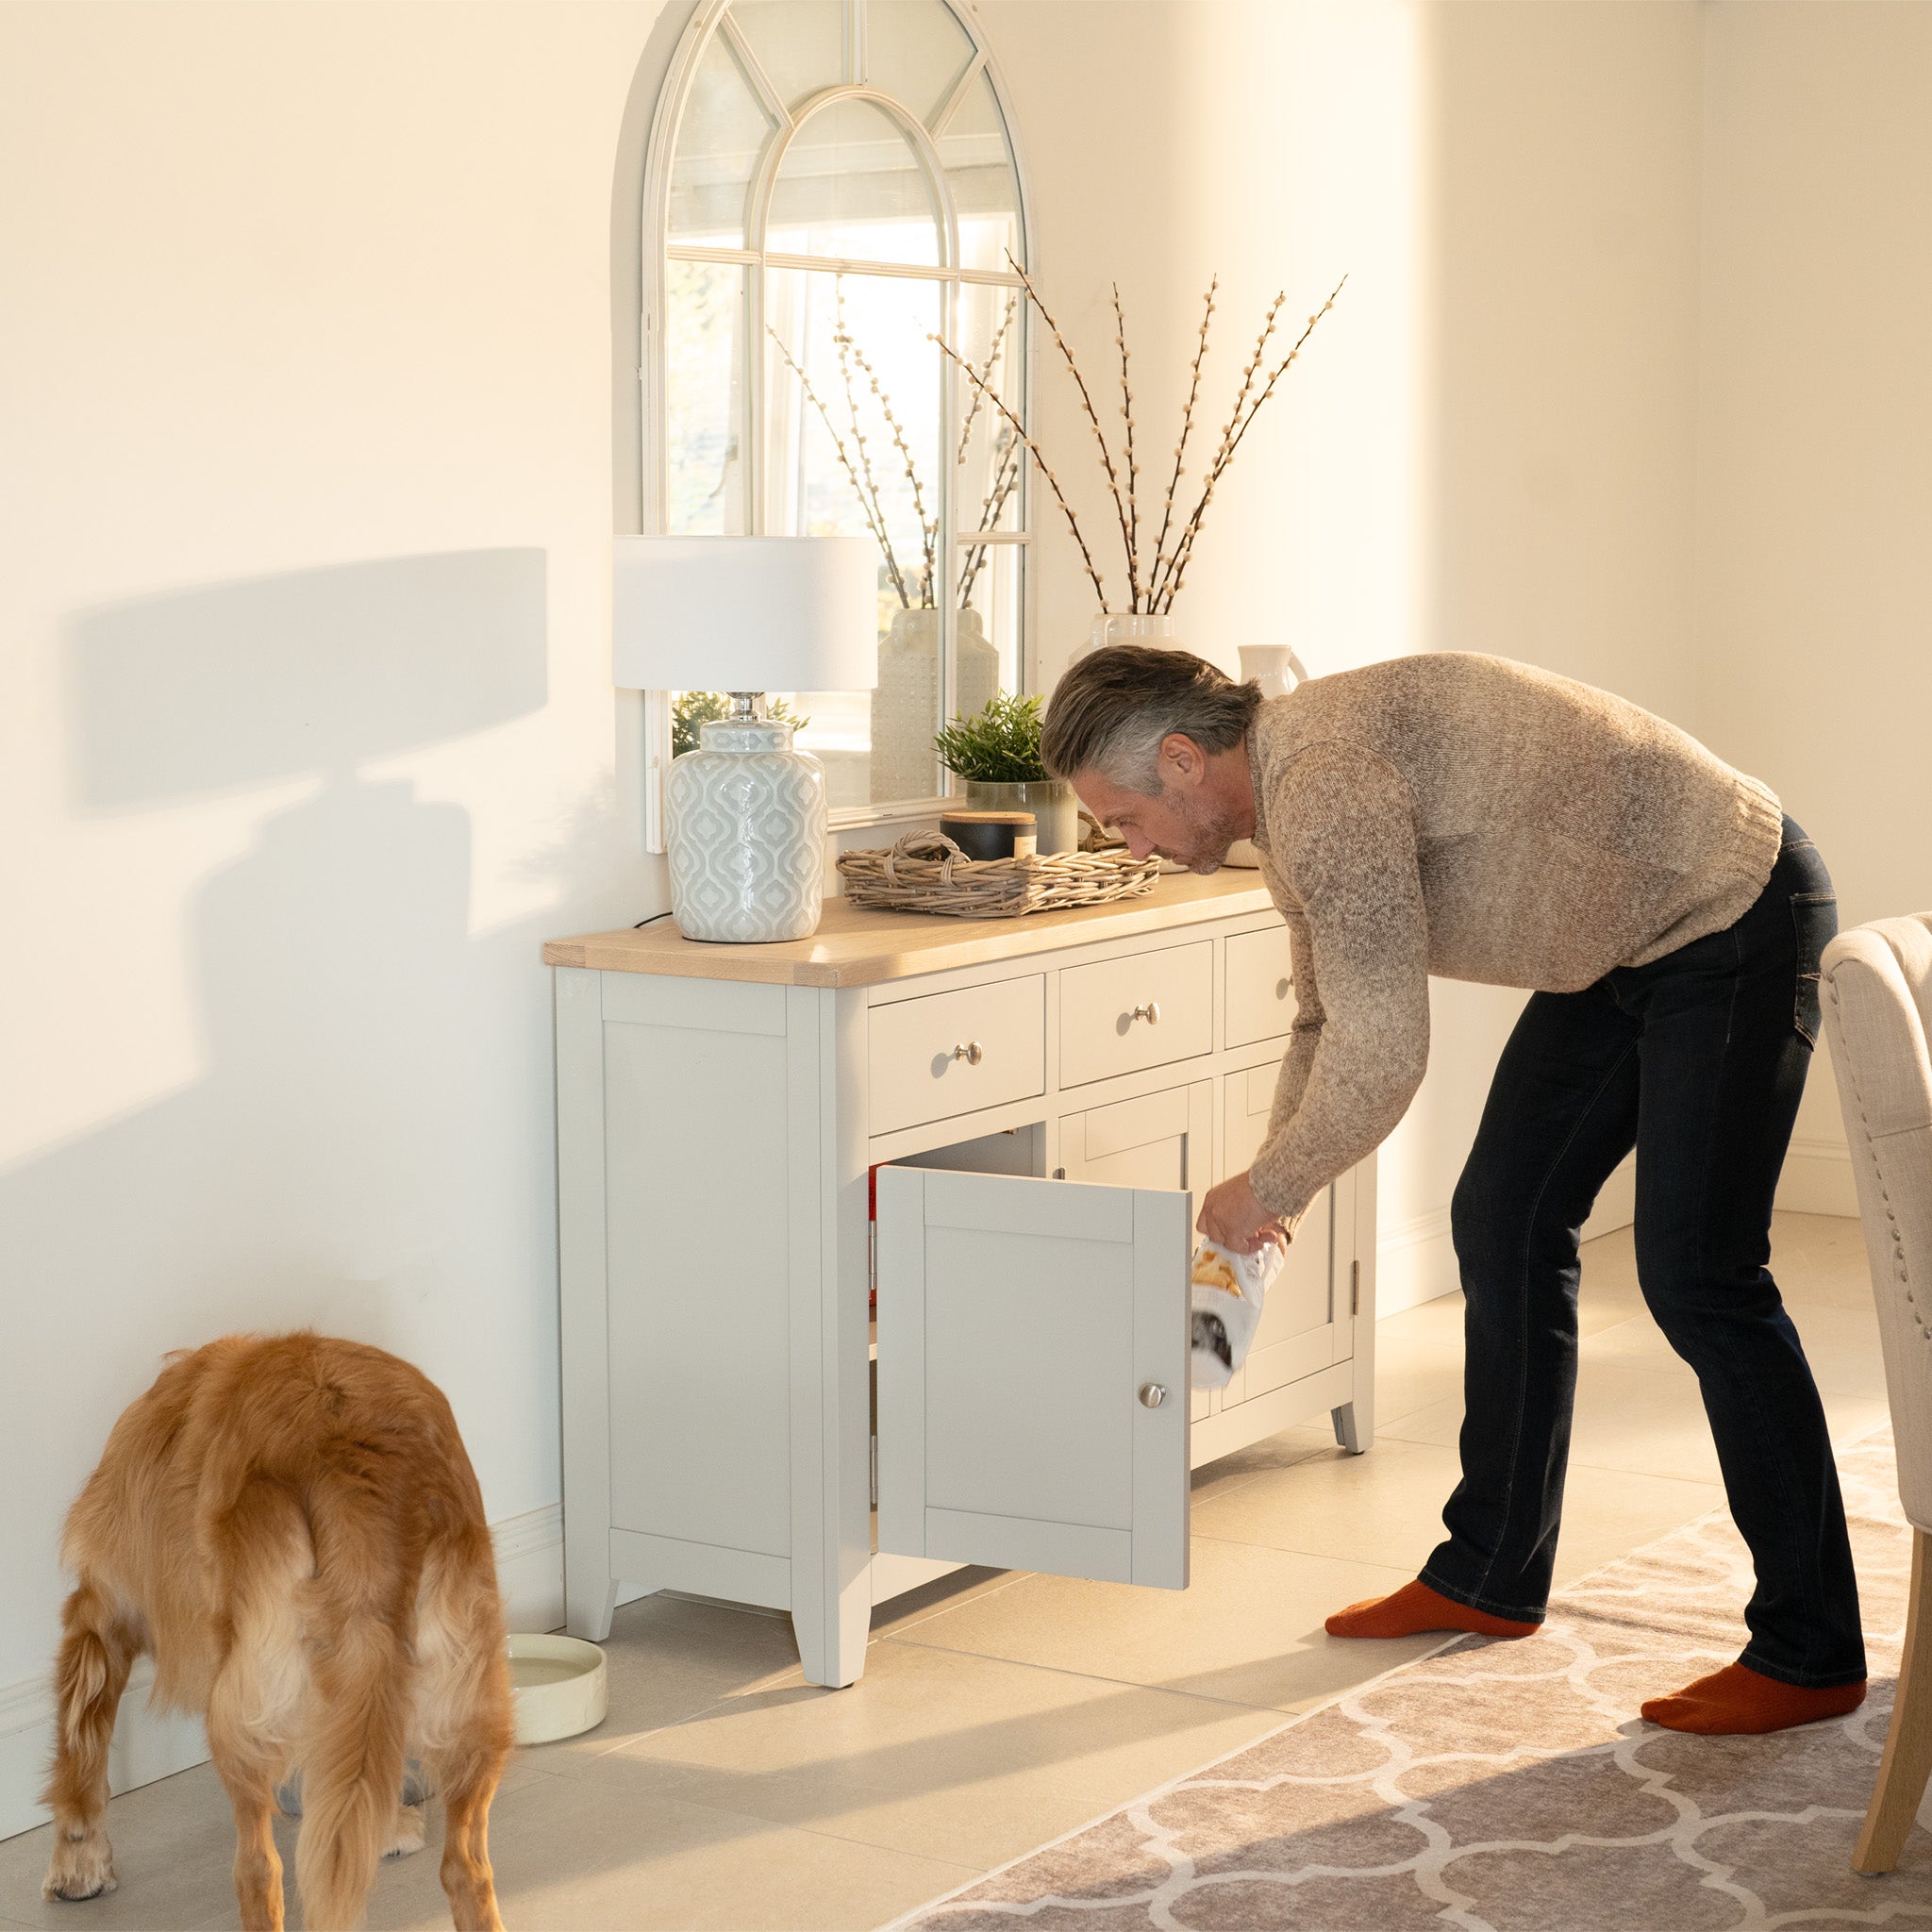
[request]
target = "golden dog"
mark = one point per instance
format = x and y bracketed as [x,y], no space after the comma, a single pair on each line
[290,1525]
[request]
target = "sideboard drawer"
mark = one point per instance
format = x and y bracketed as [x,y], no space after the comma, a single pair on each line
[952,1052]
[1260,987]
[1121,1015]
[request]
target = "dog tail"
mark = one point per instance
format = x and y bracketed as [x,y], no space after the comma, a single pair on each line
[353,1750]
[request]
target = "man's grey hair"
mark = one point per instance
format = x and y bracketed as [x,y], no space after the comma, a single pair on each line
[1110,713]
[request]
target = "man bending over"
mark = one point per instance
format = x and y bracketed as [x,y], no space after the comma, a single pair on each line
[1470,817]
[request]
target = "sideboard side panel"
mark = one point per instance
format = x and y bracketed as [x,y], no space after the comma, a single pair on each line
[697,1208]
[830,1499]
[589,1594]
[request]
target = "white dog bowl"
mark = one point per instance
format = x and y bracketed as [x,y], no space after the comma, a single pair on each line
[561,1687]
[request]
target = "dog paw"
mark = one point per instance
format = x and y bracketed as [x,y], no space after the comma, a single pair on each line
[410,1832]
[80,1870]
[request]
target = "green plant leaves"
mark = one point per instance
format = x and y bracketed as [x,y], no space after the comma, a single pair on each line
[997,745]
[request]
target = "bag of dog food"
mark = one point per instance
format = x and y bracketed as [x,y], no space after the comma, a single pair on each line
[1228,1291]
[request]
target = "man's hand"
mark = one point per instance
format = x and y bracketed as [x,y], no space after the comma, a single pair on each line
[1232,1219]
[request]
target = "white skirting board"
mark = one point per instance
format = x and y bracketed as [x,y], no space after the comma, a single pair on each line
[150,1745]
[1818,1178]
[1415,1260]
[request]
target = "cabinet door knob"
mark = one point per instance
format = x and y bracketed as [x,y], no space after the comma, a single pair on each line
[1152,1394]
[972,1053]
[1150,1012]
[1281,989]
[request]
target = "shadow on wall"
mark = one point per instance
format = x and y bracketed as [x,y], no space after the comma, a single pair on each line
[251,683]
[328,1165]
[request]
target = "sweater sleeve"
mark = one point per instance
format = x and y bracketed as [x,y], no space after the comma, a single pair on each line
[1343,822]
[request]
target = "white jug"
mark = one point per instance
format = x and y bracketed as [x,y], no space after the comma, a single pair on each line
[1277,671]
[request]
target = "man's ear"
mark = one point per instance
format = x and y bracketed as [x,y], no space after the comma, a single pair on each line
[1182,760]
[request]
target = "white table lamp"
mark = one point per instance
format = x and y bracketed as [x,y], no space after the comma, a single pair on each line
[746,813]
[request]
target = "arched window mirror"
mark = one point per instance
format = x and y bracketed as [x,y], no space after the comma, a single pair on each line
[831,184]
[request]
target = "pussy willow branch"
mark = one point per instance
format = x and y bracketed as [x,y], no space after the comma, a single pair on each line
[1165,571]
[1120,341]
[1019,429]
[1185,550]
[1180,448]
[1113,480]
[992,356]
[842,340]
[928,532]
[1005,479]
[874,522]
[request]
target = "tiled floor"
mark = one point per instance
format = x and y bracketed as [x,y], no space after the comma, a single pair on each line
[1000,1710]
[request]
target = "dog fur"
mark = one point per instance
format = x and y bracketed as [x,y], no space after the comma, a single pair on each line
[290,1525]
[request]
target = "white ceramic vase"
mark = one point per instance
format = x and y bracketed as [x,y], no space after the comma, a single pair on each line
[1130,627]
[1276,670]
[746,833]
[905,705]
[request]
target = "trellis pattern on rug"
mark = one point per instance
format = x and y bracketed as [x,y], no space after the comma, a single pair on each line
[1512,1787]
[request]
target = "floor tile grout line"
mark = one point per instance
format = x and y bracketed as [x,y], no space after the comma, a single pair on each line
[1011,1577]
[1284,1550]
[843,1837]
[1091,1677]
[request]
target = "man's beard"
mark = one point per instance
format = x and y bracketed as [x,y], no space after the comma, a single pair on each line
[1209,835]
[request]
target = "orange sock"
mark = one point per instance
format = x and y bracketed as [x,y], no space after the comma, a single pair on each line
[1738,1700]
[1416,1608]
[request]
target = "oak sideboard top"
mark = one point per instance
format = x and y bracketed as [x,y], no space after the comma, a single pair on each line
[862,948]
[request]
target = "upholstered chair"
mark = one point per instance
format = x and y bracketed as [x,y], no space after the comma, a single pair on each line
[1877,1001]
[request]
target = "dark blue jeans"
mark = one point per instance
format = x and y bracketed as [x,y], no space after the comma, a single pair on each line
[1697,1060]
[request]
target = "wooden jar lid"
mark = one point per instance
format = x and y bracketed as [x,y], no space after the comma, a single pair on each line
[989,834]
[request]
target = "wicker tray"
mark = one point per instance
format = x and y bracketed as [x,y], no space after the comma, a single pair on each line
[925,871]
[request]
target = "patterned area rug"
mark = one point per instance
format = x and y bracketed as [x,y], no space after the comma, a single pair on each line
[1513,1786]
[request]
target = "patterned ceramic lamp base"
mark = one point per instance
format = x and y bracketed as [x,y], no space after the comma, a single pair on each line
[747,835]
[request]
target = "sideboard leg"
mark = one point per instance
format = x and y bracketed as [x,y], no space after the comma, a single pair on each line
[832,1648]
[1346,1432]
[589,1603]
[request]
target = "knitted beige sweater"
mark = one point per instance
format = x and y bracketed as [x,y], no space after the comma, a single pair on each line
[1470,817]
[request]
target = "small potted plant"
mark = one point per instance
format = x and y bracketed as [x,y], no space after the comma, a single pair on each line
[997,752]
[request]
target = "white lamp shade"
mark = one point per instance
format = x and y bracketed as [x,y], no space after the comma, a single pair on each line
[745,613]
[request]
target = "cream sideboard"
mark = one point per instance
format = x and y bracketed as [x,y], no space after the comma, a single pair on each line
[1051,1092]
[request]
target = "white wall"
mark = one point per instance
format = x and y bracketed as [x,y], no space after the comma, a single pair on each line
[1815,590]
[1559,160]
[307,736]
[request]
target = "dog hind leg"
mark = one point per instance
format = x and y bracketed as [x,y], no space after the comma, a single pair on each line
[96,1653]
[468,1882]
[249,1767]
[256,1702]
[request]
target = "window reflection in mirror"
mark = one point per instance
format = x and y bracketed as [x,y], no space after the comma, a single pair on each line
[841,190]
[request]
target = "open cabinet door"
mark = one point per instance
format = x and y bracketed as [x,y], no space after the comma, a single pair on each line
[1033,1374]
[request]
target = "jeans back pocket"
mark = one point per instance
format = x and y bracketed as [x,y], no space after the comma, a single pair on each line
[1814,920]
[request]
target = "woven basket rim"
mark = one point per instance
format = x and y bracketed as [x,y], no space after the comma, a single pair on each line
[926,872]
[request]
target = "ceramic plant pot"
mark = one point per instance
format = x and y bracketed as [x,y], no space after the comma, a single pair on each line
[1055,811]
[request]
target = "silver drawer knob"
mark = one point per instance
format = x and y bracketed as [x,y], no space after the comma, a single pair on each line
[1152,1394]
[1150,1012]
[972,1053]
